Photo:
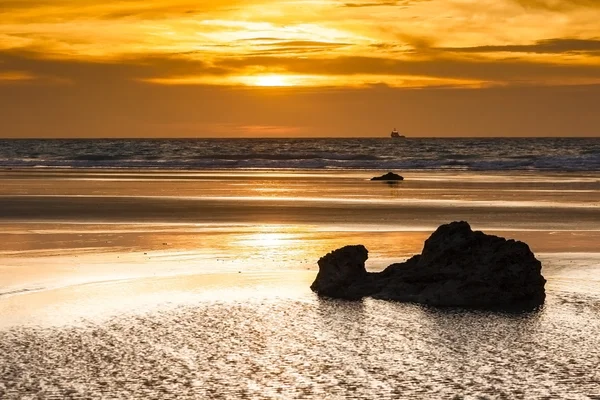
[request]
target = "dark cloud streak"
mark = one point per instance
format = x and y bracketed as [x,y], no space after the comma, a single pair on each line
[440,67]
[507,71]
[130,68]
[372,4]
[558,5]
[548,46]
[383,3]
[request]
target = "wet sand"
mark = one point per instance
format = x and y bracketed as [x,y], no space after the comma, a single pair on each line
[64,227]
[72,227]
[96,251]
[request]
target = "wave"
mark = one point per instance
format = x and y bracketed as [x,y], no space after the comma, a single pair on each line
[19,291]
[98,157]
[311,164]
[292,156]
[542,154]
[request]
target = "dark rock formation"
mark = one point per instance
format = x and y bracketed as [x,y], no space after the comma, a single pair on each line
[458,267]
[342,273]
[390,176]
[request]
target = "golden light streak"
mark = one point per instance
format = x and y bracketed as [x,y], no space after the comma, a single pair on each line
[15,76]
[313,81]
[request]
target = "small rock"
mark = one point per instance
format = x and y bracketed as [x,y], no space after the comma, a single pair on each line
[342,273]
[390,176]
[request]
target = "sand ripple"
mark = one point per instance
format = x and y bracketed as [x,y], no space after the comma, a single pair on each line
[311,349]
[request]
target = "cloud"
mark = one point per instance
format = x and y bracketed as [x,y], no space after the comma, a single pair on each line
[114,9]
[31,63]
[505,71]
[305,43]
[546,46]
[384,3]
[436,69]
[15,77]
[558,5]
[281,47]
[166,41]
[372,4]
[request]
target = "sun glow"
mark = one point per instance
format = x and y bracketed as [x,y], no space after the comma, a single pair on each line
[272,80]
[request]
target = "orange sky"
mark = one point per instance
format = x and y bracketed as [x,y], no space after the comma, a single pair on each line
[180,68]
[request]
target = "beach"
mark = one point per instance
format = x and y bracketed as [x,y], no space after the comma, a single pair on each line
[152,283]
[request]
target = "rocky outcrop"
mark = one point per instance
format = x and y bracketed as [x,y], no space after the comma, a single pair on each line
[342,273]
[390,176]
[457,267]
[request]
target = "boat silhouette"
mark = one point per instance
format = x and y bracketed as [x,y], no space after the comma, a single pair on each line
[396,134]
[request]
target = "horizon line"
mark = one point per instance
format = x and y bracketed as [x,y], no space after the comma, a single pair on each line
[295,137]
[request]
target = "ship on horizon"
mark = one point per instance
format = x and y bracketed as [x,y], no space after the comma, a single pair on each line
[396,134]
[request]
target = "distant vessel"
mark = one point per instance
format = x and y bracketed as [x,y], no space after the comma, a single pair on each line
[396,134]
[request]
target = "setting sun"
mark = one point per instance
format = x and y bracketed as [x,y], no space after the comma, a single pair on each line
[271,80]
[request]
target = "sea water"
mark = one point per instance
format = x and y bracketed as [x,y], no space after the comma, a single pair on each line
[480,154]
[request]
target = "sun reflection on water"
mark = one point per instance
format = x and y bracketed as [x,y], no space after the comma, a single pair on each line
[269,239]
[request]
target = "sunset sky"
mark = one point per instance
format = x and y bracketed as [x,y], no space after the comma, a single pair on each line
[216,68]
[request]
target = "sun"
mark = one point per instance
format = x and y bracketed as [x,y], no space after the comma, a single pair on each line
[271,80]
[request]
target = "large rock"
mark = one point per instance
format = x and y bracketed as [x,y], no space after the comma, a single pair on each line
[457,267]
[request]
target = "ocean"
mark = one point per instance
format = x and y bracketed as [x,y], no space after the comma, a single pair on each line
[461,154]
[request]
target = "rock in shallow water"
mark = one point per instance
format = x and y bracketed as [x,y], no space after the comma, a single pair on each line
[457,267]
[390,176]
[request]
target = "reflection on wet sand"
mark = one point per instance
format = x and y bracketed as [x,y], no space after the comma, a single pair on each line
[46,257]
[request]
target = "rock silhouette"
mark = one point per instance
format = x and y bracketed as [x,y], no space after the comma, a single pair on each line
[390,176]
[458,267]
